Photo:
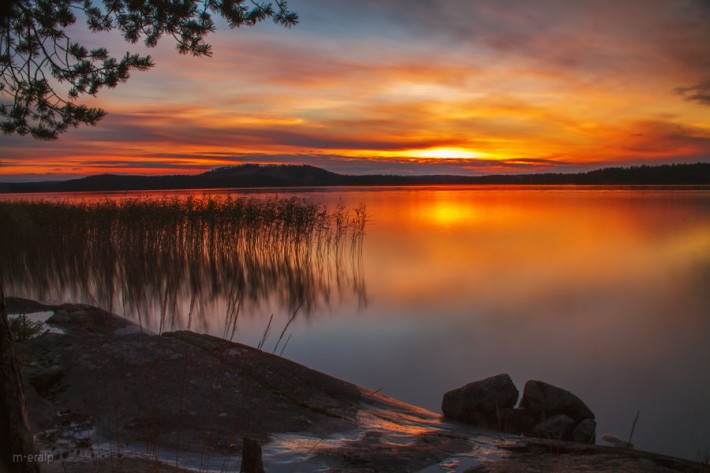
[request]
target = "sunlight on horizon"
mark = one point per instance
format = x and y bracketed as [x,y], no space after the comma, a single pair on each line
[447,153]
[477,88]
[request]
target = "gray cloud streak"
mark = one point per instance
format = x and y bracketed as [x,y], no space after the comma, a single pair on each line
[699,92]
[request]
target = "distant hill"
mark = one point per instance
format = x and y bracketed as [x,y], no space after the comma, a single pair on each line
[255,175]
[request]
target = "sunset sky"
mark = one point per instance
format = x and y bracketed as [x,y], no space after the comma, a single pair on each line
[410,87]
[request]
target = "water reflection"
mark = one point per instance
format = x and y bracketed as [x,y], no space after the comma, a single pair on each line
[170,262]
[602,291]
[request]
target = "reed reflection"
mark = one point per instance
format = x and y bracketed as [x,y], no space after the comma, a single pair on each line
[169,262]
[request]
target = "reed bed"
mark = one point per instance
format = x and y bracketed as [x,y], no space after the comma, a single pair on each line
[165,261]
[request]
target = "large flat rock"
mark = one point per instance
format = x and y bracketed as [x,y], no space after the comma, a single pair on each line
[191,391]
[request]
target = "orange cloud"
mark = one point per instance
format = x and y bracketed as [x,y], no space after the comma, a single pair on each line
[573,83]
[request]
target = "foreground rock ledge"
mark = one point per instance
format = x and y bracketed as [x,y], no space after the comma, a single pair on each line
[106,396]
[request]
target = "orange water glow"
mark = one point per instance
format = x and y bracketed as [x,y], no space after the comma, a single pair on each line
[570,284]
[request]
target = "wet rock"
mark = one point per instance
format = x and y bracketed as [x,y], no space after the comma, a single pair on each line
[375,453]
[251,457]
[546,400]
[141,387]
[481,403]
[585,432]
[44,379]
[558,427]
[541,455]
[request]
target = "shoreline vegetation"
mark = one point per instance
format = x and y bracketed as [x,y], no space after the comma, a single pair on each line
[168,261]
[255,175]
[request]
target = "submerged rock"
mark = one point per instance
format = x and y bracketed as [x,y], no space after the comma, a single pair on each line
[481,403]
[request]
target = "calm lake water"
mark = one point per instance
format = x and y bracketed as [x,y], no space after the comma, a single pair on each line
[604,291]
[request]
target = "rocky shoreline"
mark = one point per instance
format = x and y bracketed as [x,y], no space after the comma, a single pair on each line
[105,395]
[545,411]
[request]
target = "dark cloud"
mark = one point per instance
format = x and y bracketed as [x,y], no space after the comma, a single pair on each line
[699,92]
[537,162]
[598,37]
[175,132]
[323,141]
[168,163]
[120,127]
[659,139]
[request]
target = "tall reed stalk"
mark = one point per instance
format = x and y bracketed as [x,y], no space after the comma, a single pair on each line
[171,259]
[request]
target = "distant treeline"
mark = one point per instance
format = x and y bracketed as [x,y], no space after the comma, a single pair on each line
[254,175]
